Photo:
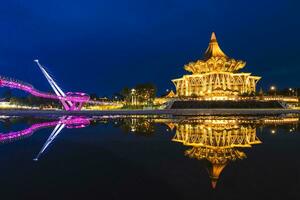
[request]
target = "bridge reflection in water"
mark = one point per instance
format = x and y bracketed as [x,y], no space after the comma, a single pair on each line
[59,125]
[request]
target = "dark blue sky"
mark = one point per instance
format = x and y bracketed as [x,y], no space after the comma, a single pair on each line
[101,46]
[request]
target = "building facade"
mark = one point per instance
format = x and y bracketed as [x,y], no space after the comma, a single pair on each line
[215,77]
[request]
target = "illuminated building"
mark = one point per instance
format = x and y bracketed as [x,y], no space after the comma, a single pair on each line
[215,77]
[164,99]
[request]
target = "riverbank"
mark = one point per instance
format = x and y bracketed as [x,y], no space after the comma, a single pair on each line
[183,112]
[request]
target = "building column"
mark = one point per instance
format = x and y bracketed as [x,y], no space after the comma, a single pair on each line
[186,87]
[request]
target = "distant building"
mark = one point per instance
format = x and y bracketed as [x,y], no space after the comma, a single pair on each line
[215,77]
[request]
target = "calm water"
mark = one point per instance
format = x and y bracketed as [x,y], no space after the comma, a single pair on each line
[150,158]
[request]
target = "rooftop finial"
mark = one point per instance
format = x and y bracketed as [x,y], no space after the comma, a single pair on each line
[213,37]
[213,49]
[214,184]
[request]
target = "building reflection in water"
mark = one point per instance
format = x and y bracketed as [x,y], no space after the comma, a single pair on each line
[215,140]
[219,141]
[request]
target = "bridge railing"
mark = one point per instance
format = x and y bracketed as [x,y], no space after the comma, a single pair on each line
[71,96]
[16,81]
[23,84]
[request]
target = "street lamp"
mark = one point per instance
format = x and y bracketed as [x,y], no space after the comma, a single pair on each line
[291,91]
[133,101]
[273,89]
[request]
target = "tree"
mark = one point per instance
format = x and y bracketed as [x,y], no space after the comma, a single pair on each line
[145,92]
[126,94]
[93,96]
[7,94]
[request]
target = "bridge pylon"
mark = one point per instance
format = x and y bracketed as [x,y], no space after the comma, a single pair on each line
[70,100]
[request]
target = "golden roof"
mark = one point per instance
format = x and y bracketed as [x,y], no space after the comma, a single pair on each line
[213,49]
[218,159]
[214,60]
[171,94]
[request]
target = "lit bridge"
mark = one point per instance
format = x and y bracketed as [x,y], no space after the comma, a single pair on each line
[70,100]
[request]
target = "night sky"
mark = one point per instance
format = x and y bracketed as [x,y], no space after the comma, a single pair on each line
[103,45]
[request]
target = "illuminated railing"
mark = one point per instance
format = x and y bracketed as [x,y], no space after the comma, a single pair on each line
[281,98]
[74,97]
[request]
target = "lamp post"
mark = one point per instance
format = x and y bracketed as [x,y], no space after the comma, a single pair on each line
[273,90]
[291,91]
[133,99]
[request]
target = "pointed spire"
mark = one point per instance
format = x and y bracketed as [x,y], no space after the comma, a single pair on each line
[213,37]
[214,172]
[213,49]
[214,183]
[261,92]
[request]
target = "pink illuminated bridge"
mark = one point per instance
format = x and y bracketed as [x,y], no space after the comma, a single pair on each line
[70,100]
